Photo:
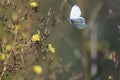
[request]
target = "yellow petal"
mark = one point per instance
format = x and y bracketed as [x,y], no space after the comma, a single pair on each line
[37,69]
[2,56]
[35,37]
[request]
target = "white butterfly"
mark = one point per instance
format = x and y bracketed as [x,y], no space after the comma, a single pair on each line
[75,18]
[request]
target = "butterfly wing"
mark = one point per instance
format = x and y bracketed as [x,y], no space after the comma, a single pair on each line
[82,20]
[79,23]
[75,19]
[75,12]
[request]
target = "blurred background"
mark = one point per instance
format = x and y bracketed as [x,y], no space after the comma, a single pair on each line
[101,38]
[80,54]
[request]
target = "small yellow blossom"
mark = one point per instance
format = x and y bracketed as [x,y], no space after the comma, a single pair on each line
[35,37]
[17,28]
[37,69]
[110,77]
[8,47]
[19,46]
[51,48]
[111,55]
[33,4]
[2,56]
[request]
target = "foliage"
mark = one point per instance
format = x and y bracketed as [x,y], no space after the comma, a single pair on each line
[18,49]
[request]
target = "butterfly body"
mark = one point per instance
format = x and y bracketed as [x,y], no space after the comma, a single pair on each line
[75,18]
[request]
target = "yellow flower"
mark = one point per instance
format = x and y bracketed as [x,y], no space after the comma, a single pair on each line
[51,48]
[8,47]
[35,37]
[33,4]
[19,46]
[37,69]
[110,77]
[17,28]
[2,56]
[111,55]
